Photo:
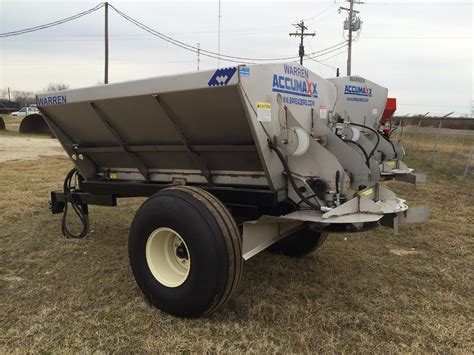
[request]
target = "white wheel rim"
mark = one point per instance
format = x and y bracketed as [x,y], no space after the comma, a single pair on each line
[165,258]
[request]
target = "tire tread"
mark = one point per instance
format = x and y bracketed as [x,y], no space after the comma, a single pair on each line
[232,241]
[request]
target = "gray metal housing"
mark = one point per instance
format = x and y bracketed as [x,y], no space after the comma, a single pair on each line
[213,128]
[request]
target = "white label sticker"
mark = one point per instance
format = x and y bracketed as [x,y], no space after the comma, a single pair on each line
[323,112]
[264,111]
[375,111]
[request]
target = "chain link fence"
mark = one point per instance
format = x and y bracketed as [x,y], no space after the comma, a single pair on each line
[443,149]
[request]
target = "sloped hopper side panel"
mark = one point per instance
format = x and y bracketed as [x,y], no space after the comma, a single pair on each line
[213,121]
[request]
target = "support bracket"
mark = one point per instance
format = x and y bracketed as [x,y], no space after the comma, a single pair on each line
[139,164]
[86,166]
[184,140]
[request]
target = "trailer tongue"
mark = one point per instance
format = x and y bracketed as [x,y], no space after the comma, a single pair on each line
[234,161]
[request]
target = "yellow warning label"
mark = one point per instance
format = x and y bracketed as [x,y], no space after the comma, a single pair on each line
[390,163]
[112,175]
[367,192]
[264,112]
[264,105]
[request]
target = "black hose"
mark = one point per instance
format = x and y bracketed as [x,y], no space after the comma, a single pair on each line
[80,210]
[367,161]
[290,177]
[376,134]
[393,147]
[387,138]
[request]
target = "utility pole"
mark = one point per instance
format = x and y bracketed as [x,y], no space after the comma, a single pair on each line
[352,24]
[219,36]
[349,53]
[106,35]
[198,53]
[9,99]
[301,34]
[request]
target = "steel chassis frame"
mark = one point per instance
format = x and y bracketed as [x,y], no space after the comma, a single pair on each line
[243,202]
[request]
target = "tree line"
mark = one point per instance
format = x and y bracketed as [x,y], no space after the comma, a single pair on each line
[25,98]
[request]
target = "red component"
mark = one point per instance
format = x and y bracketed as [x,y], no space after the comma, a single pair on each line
[390,109]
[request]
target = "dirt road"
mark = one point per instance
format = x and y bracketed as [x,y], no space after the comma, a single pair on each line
[28,148]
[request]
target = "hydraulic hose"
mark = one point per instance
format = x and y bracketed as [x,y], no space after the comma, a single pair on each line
[290,177]
[376,134]
[79,210]
[393,147]
[367,161]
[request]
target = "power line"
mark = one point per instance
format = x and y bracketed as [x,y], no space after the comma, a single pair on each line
[302,35]
[343,45]
[321,61]
[198,59]
[51,24]
[327,50]
[174,41]
[179,43]
[419,37]
[202,51]
[352,24]
[445,3]
[106,44]
[218,35]
[320,13]
[210,54]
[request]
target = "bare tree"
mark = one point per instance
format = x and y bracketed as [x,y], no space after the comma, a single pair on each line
[4,93]
[24,97]
[56,87]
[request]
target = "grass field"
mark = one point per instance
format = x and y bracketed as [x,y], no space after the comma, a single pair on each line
[365,292]
[12,124]
[449,155]
[12,128]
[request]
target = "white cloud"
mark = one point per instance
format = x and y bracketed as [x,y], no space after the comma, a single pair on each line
[423,54]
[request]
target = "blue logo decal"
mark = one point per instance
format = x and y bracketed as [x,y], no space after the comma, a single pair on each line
[222,76]
[293,86]
[358,90]
[244,71]
[298,101]
[51,100]
[296,71]
[295,82]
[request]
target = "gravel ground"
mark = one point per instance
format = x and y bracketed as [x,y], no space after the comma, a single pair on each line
[28,148]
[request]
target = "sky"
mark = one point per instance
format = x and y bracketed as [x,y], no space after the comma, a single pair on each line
[422,51]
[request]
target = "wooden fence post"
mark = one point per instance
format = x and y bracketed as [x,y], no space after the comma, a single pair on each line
[468,162]
[435,145]
[416,135]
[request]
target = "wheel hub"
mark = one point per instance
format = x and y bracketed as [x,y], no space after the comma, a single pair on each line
[181,252]
[168,257]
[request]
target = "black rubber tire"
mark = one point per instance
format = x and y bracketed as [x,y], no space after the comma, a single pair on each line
[298,244]
[213,242]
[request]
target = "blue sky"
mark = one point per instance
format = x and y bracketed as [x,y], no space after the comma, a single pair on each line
[421,50]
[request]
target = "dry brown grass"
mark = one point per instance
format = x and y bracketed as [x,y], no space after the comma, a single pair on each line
[451,153]
[12,128]
[12,123]
[366,292]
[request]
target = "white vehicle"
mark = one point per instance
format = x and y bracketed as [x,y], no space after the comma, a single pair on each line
[25,111]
